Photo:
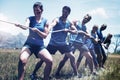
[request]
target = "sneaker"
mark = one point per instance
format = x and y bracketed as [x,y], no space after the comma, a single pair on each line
[33,77]
[95,73]
[57,75]
[77,75]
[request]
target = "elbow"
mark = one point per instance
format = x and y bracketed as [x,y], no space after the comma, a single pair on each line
[44,36]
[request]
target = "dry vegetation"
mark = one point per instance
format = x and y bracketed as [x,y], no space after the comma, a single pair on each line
[9,62]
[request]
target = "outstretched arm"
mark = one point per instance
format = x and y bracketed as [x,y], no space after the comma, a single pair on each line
[24,26]
[86,34]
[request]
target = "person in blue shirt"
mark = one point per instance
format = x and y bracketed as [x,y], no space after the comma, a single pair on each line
[79,43]
[101,55]
[34,43]
[58,39]
[76,41]
[90,44]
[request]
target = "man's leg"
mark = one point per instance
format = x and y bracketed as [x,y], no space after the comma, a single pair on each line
[45,56]
[23,58]
[79,60]
[38,65]
[99,55]
[61,64]
[89,60]
[104,57]
[94,59]
[72,61]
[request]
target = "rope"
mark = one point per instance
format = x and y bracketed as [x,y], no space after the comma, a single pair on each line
[30,27]
[57,31]
[16,24]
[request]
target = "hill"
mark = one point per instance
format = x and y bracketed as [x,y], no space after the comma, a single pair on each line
[8,40]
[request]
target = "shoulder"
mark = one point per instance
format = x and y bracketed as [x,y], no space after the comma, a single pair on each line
[68,21]
[56,20]
[44,19]
[31,17]
[78,23]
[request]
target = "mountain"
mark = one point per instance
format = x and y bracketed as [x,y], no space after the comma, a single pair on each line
[8,40]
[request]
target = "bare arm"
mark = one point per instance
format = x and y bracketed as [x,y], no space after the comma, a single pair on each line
[24,26]
[72,29]
[82,32]
[52,24]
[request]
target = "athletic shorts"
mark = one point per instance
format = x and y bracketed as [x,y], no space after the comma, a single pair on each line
[81,47]
[62,49]
[34,48]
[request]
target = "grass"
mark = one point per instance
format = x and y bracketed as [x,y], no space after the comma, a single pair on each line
[9,65]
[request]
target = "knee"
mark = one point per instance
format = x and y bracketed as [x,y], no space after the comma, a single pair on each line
[79,59]
[63,61]
[23,60]
[70,56]
[49,62]
[88,55]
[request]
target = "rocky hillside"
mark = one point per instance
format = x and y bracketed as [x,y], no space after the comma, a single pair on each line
[11,41]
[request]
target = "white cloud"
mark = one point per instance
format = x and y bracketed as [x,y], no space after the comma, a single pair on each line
[2,17]
[100,12]
[9,28]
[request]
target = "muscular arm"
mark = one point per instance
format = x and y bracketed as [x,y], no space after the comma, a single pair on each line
[52,24]
[24,26]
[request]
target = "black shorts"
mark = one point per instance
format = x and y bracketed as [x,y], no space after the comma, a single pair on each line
[62,49]
[34,48]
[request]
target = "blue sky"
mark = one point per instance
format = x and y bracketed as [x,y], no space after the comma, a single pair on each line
[102,11]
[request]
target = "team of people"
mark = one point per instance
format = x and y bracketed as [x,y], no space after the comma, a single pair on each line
[89,45]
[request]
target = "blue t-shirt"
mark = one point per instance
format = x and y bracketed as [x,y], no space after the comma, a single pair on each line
[100,35]
[89,43]
[33,37]
[80,37]
[59,38]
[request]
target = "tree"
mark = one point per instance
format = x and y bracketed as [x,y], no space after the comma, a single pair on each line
[116,42]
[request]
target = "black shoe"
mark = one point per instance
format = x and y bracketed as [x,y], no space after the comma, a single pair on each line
[33,77]
[78,75]
[57,75]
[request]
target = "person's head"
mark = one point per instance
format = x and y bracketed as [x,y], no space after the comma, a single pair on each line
[95,28]
[103,27]
[65,11]
[109,36]
[38,8]
[86,19]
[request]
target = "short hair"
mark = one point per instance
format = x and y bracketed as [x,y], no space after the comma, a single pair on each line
[38,4]
[103,26]
[67,8]
[88,17]
[95,27]
[110,35]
